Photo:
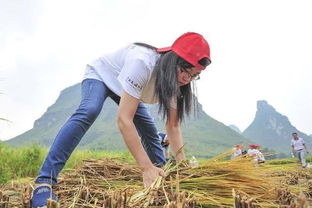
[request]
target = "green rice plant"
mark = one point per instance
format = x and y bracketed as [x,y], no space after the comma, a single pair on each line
[281,161]
[17,163]
[5,173]
[21,162]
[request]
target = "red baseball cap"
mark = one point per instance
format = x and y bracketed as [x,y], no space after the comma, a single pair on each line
[252,146]
[192,47]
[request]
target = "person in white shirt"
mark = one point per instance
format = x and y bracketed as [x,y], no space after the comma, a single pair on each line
[298,147]
[254,151]
[260,156]
[131,76]
[251,150]
[237,151]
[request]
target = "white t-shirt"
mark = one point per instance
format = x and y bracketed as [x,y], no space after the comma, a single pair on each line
[256,154]
[236,153]
[129,69]
[298,144]
[251,152]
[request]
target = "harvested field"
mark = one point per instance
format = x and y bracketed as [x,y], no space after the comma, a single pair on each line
[113,183]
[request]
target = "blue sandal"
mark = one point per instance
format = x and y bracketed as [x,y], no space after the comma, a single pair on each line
[40,195]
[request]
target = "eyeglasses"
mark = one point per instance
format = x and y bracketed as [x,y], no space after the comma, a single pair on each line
[189,75]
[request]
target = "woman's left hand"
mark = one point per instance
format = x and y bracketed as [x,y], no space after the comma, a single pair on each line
[151,174]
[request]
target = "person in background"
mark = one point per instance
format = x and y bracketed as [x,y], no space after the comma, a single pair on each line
[260,156]
[251,149]
[298,148]
[237,151]
[164,141]
[132,76]
[254,151]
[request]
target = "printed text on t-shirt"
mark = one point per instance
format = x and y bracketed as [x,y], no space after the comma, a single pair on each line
[133,83]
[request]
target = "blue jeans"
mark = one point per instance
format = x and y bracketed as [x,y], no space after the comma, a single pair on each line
[301,157]
[94,93]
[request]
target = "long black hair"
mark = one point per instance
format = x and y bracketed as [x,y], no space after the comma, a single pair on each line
[167,89]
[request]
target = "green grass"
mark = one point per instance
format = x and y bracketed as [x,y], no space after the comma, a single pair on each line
[282,161]
[18,163]
[288,161]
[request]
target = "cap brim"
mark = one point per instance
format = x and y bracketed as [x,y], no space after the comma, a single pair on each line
[164,49]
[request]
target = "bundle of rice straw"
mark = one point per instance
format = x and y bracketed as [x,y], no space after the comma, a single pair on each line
[217,182]
[102,182]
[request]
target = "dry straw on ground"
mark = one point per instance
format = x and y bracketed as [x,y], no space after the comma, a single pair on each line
[217,182]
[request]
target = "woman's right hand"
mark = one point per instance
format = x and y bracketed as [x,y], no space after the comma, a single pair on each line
[150,175]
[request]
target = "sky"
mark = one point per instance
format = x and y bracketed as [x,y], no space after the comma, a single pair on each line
[260,50]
